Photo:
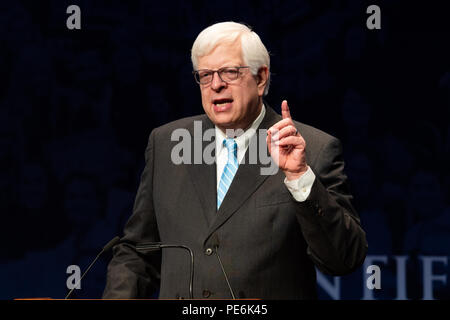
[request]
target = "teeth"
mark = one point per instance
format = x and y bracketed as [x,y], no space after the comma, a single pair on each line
[221,104]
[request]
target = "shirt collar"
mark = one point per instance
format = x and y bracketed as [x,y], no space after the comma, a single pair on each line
[243,140]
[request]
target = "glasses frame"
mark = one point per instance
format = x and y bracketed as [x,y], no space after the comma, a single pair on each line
[197,77]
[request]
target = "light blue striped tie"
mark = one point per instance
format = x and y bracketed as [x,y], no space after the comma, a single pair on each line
[229,171]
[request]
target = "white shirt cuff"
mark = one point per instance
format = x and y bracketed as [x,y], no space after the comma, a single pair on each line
[301,187]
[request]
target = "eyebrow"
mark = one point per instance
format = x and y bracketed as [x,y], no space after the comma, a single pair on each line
[218,68]
[225,66]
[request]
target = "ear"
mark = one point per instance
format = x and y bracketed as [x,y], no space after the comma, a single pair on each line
[261,79]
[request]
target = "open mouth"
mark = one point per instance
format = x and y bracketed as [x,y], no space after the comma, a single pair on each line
[222,104]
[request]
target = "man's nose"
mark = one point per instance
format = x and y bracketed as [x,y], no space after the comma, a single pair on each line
[217,83]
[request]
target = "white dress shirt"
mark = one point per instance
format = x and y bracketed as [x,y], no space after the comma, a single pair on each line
[299,188]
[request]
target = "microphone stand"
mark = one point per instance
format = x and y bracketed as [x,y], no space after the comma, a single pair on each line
[107,247]
[157,246]
[224,273]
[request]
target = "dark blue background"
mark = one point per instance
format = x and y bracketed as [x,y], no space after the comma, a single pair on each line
[77,106]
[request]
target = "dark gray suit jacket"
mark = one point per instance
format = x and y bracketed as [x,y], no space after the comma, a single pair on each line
[268,242]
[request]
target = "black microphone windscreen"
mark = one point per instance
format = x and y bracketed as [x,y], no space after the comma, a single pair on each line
[111,243]
[215,240]
[148,246]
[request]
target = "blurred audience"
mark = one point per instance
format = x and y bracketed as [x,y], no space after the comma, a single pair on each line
[76,110]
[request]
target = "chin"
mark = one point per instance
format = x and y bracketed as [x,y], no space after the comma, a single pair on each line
[222,120]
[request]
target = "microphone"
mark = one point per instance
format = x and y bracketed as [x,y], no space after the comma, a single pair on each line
[215,243]
[154,246]
[106,248]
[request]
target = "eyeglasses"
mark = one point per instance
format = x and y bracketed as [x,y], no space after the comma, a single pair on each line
[227,74]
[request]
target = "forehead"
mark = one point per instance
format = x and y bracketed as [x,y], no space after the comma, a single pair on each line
[223,55]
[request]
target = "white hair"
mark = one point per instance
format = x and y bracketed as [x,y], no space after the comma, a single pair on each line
[254,53]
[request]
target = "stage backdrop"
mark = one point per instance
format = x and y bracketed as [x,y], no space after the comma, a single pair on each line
[77,103]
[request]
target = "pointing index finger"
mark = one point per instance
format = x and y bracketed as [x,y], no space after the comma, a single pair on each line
[285,113]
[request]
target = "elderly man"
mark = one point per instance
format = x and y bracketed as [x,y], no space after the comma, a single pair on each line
[252,235]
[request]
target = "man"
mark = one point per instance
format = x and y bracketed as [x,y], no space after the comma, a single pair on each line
[252,235]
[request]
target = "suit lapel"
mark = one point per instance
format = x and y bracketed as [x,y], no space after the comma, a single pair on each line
[203,175]
[247,179]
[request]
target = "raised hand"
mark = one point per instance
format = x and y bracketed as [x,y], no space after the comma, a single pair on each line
[287,146]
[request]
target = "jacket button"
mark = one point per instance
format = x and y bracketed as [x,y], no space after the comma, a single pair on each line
[208,251]
[206,293]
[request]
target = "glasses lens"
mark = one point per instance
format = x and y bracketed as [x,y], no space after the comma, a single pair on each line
[203,76]
[225,74]
[229,74]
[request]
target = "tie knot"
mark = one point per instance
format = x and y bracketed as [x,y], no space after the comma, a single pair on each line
[231,146]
